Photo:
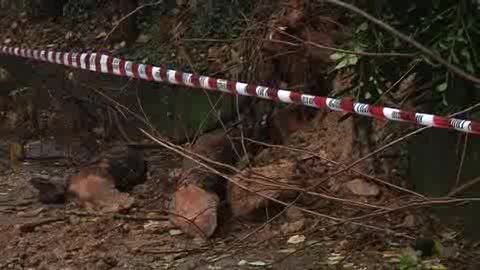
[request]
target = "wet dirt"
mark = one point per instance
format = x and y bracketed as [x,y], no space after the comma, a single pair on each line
[141,240]
[37,236]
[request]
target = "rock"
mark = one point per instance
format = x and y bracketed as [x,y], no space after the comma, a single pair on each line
[50,190]
[194,211]
[215,146]
[243,202]
[361,187]
[94,188]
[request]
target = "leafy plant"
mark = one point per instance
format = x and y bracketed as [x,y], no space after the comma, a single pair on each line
[450,28]
[409,262]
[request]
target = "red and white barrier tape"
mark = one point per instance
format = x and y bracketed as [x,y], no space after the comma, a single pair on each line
[111,65]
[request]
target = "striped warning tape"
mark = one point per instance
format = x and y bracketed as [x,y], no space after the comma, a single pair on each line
[111,65]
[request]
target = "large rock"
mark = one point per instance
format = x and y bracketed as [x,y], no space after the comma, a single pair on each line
[51,190]
[194,211]
[244,201]
[94,188]
[215,146]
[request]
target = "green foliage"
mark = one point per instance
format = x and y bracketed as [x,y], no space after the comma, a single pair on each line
[408,262]
[450,28]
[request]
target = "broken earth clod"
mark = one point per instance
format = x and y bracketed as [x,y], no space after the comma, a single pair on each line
[95,189]
[194,211]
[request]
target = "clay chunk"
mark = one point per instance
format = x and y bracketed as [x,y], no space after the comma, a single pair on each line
[194,211]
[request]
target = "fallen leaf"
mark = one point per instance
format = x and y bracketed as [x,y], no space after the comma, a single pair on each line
[296,239]
[288,250]
[442,87]
[362,27]
[334,258]
[175,232]
[101,35]
[337,56]
[257,263]
[242,262]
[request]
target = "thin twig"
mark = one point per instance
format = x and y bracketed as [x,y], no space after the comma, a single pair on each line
[291,204]
[405,207]
[376,179]
[305,42]
[461,188]
[140,105]
[388,145]
[137,218]
[29,227]
[396,83]
[462,160]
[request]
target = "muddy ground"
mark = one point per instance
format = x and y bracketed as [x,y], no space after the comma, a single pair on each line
[71,239]
[37,236]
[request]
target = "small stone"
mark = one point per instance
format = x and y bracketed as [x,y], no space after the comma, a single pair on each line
[194,211]
[361,187]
